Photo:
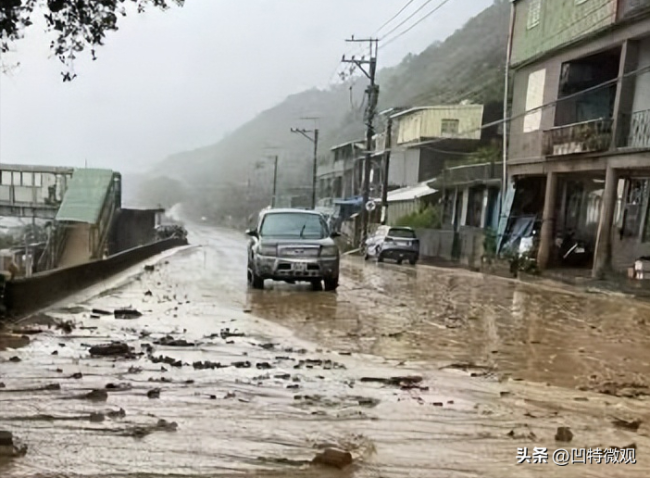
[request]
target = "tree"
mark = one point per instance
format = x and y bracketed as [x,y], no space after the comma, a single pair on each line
[77,24]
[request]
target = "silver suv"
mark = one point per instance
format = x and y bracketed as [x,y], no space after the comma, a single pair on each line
[293,245]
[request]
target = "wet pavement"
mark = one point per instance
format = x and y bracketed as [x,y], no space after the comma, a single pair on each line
[217,380]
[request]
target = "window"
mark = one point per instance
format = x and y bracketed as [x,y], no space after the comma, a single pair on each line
[402,233]
[5,178]
[534,13]
[28,179]
[294,225]
[449,126]
[534,101]
[16,178]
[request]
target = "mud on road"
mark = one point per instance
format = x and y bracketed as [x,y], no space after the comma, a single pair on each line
[418,372]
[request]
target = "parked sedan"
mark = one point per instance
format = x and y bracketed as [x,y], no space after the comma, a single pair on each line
[396,243]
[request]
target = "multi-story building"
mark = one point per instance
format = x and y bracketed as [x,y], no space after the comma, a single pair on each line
[579,140]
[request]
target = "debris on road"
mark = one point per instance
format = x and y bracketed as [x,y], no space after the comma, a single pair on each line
[563,434]
[127,313]
[627,425]
[97,417]
[170,341]
[155,393]
[149,268]
[334,458]
[100,312]
[227,333]
[8,447]
[117,348]
[165,359]
[96,395]
[207,365]
[405,382]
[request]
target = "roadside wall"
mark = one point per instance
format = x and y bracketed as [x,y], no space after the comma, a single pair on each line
[27,295]
[439,244]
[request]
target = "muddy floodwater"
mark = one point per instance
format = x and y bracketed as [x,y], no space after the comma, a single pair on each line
[416,371]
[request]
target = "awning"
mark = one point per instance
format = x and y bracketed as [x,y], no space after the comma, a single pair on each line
[410,193]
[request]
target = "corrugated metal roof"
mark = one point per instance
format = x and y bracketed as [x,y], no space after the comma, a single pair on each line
[85,196]
[410,193]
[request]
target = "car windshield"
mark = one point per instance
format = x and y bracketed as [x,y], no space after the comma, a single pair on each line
[405,233]
[305,226]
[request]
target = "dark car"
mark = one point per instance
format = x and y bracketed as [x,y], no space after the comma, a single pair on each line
[396,243]
[293,245]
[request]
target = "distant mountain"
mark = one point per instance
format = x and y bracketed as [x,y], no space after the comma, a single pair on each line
[466,66]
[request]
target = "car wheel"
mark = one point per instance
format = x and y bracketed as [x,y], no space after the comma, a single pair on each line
[316,285]
[413,261]
[399,262]
[331,284]
[380,257]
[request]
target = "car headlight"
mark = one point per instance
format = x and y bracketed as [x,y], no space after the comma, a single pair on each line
[268,250]
[329,251]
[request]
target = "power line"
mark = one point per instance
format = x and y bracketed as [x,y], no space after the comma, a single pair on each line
[394,17]
[440,5]
[408,18]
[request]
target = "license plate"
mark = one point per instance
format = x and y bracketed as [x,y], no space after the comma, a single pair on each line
[580,250]
[403,243]
[299,266]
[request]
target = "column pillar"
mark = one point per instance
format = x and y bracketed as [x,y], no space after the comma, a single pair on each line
[548,222]
[603,251]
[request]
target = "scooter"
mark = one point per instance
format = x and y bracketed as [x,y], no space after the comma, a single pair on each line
[574,252]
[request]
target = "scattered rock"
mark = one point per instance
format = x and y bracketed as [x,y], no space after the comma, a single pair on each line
[118,348]
[97,395]
[505,394]
[134,369]
[77,375]
[8,447]
[244,364]
[407,381]
[170,341]
[149,268]
[155,393]
[148,293]
[116,413]
[52,387]
[97,417]
[118,386]
[628,425]
[168,426]
[563,434]
[282,376]
[168,360]
[263,365]
[437,404]
[67,326]
[15,359]
[127,313]
[6,438]
[227,333]
[334,458]
[56,352]
[207,365]
[101,312]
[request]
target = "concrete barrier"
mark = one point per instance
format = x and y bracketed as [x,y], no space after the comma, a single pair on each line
[26,295]
[439,244]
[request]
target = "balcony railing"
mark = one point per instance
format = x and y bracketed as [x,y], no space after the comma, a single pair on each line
[586,137]
[630,8]
[634,130]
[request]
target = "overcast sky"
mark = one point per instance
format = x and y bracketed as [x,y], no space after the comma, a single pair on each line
[173,81]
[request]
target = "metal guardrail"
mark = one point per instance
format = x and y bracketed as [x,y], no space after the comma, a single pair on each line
[589,136]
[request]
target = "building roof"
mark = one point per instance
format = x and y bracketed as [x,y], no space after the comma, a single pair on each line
[355,142]
[437,107]
[84,199]
[410,193]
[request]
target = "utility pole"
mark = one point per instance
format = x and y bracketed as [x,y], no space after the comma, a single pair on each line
[371,110]
[384,190]
[314,139]
[275,179]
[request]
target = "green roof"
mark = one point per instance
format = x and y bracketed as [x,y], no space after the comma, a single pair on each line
[85,196]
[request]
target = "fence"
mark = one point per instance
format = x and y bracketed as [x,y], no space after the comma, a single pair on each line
[465,246]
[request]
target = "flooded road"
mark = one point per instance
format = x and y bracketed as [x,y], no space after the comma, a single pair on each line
[223,381]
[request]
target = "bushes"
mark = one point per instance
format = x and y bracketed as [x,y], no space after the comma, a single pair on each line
[428,218]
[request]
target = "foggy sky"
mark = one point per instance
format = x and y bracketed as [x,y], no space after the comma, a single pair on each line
[178,80]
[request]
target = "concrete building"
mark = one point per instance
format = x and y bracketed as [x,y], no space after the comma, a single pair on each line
[579,141]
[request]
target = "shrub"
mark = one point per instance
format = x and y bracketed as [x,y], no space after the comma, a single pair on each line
[428,218]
